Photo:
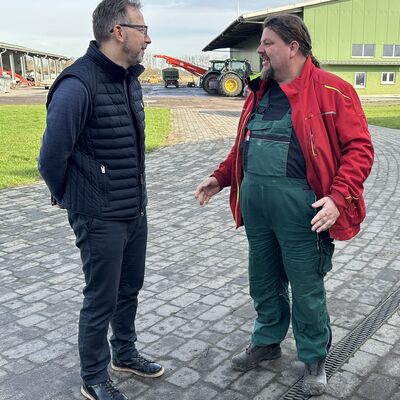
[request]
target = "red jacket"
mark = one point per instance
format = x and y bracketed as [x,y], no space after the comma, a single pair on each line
[332,131]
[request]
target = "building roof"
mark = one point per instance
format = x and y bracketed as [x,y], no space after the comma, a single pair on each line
[250,24]
[30,52]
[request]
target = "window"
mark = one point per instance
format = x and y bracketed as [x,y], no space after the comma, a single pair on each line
[391,50]
[388,78]
[363,50]
[360,80]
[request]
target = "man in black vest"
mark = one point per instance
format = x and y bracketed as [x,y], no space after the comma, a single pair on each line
[92,160]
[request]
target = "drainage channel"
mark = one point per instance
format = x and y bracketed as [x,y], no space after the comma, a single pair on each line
[352,342]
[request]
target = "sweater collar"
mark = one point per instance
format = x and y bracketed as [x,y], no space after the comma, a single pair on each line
[104,62]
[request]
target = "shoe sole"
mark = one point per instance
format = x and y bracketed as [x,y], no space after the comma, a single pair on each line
[254,365]
[138,373]
[86,394]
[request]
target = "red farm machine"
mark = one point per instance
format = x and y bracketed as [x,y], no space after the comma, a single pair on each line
[224,77]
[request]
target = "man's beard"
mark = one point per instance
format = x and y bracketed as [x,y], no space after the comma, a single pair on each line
[133,59]
[266,73]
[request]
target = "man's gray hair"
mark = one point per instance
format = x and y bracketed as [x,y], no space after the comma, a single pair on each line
[109,13]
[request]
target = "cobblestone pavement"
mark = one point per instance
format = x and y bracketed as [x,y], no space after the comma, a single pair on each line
[195,311]
[194,125]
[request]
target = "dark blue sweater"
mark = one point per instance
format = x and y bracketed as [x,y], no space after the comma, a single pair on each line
[67,113]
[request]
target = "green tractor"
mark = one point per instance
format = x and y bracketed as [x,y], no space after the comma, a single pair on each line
[226,77]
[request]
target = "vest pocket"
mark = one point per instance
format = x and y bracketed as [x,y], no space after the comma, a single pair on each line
[103,183]
[86,185]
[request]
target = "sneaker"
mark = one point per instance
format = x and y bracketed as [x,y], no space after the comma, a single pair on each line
[253,355]
[139,365]
[314,380]
[102,391]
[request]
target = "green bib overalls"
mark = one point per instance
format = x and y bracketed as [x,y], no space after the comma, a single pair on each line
[283,249]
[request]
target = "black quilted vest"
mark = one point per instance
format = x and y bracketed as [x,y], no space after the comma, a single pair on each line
[105,174]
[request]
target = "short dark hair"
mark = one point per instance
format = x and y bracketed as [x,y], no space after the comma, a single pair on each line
[291,28]
[109,13]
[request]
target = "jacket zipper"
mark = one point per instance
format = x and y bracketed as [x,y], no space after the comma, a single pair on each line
[315,213]
[140,177]
[241,130]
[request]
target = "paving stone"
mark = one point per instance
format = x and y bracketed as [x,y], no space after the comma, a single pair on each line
[209,359]
[215,313]
[24,349]
[223,375]
[361,363]
[193,311]
[167,325]
[184,377]
[388,334]
[271,392]
[232,395]
[185,300]
[378,387]
[253,381]
[166,391]
[49,376]
[343,384]
[191,349]
[165,345]
[43,356]
[32,320]
[376,347]
[199,391]
[19,367]
[390,366]
[233,341]
[166,310]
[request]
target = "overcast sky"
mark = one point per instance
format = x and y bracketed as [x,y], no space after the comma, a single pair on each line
[176,27]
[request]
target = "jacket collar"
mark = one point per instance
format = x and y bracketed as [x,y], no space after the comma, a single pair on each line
[94,53]
[302,81]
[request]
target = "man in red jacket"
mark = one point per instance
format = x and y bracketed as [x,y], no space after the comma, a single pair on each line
[296,173]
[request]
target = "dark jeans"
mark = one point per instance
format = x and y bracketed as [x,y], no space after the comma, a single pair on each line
[113,258]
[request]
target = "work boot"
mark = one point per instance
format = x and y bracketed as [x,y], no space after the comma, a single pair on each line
[314,380]
[102,391]
[138,365]
[253,355]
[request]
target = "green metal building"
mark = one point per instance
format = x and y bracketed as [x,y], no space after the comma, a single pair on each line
[358,40]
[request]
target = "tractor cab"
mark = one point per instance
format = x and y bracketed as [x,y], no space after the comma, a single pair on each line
[216,65]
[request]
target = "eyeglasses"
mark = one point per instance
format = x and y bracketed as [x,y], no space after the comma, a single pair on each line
[141,28]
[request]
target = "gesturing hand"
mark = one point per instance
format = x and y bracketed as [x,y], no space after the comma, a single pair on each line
[326,217]
[206,190]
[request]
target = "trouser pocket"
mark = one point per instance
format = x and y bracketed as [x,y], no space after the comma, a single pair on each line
[326,249]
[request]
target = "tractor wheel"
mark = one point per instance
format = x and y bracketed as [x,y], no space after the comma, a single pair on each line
[230,85]
[210,82]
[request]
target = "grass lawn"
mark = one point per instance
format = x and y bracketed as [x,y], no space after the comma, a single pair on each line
[21,129]
[158,126]
[383,115]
